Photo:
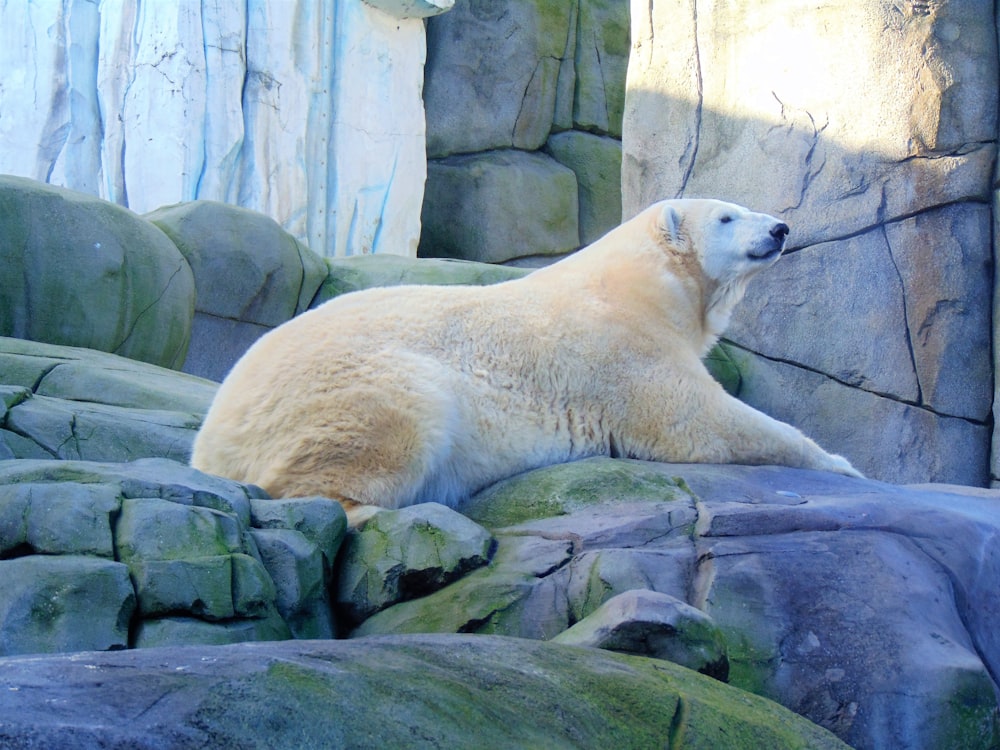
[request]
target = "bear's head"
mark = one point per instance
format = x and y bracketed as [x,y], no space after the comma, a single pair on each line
[731,244]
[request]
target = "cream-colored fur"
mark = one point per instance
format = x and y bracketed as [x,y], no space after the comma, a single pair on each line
[400,395]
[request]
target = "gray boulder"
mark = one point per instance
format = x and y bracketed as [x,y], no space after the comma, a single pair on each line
[497,206]
[492,74]
[364,271]
[250,276]
[64,603]
[597,163]
[80,271]
[647,623]
[865,607]
[403,554]
[71,403]
[415,692]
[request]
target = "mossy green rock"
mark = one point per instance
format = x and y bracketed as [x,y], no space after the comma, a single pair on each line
[364,271]
[84,272]
[178,540]
[597,163]
[407,553]
[54,603]
[414,692]
[250,276]
[72,403]
[566,488]
[602,54]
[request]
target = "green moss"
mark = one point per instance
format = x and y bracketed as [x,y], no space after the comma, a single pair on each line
[565,488]
[366,271]
[724,368]
[476,691]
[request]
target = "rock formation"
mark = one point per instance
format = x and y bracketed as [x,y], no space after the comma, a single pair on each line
[872,129]
[308,112]
[414,692]
[867,608]
[524,106]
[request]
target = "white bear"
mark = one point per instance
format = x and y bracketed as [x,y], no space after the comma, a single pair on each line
[400,395]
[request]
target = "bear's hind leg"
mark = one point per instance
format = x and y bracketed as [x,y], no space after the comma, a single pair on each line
[376,445]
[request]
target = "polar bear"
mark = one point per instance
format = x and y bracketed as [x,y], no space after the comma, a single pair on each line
[393,396]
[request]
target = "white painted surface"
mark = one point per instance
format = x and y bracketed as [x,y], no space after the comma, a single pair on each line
[309,111]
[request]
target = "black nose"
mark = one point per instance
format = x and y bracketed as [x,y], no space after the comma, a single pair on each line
[779,231]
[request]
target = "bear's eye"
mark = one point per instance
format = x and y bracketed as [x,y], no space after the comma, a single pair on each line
[725,219]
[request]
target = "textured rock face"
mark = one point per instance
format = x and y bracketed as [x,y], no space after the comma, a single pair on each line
[250,276]
[415,692]
[152,553]
[865,607]
[871,128]
[84,272]
[307,112]
[58,402]
[514,204]
[546,78]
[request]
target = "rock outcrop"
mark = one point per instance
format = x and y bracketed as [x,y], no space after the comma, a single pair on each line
[151,553]
[524,109]
[866,607]
[66,403]
[190,286]
[413,691]
[872,129]
[83,272]
[307,112]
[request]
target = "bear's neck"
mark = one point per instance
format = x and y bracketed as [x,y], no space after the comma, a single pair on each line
[665,293]
[720,301]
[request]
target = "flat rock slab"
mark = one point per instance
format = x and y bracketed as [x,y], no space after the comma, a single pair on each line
[71,403]
[415,692]
[867,607]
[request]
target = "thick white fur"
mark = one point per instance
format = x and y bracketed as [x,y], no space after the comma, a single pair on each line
[400,395]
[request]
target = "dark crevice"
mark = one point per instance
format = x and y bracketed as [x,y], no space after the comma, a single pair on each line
[906,316]
[880,394]
[699,82]
[150,306]
[881,222]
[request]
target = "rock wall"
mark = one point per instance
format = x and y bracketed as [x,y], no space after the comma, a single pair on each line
[871,127]
[307,112]
[524,106]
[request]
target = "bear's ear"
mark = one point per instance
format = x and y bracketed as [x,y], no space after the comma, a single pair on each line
[670,223]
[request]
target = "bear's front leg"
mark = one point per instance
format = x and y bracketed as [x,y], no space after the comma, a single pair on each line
[698,422]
